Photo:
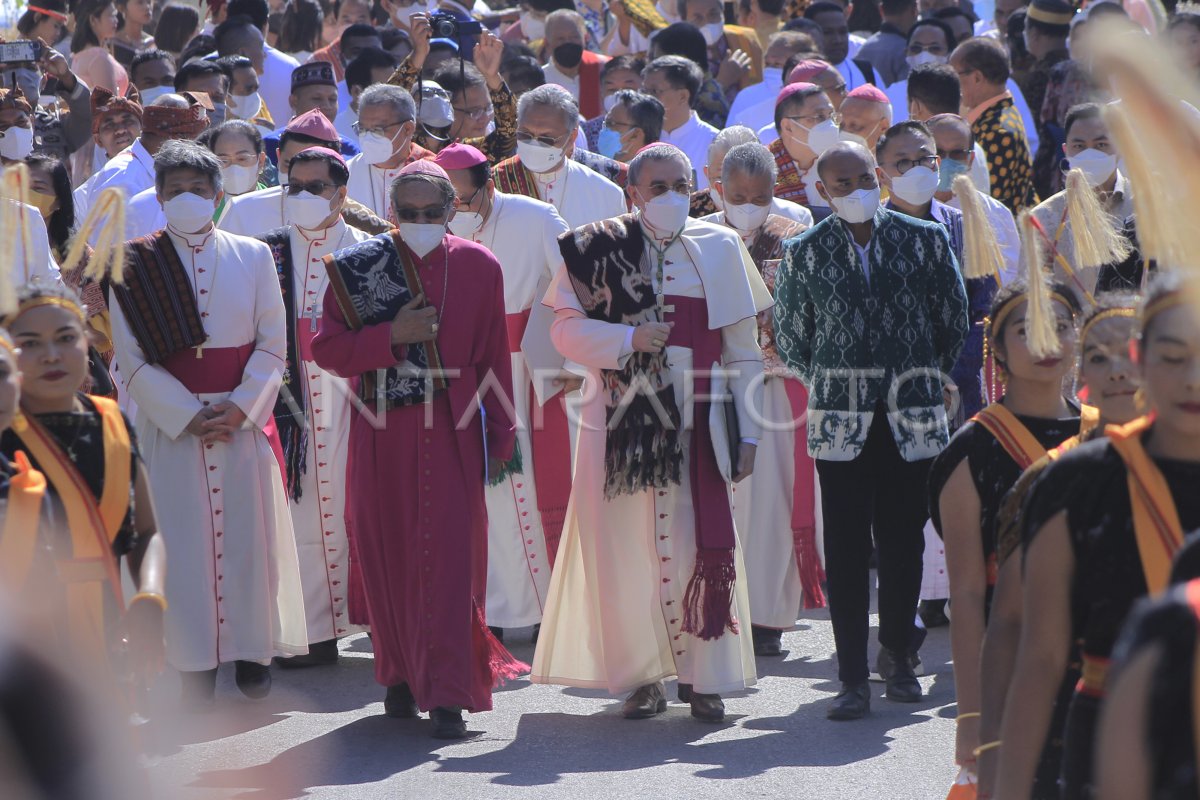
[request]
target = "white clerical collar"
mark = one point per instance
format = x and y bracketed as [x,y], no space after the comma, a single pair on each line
[197,241]
[334,231]
[554,174]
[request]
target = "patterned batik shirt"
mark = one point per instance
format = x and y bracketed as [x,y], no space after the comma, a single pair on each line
[1001,133]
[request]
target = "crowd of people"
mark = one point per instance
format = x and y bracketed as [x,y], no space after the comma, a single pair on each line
[645,326]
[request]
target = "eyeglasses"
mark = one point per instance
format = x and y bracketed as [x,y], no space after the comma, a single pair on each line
[382,130]
[915,49]
[818,117]
[659,189]
[955,155]
[435,214]
[548,141]
[905,164]
[465,202]
[312,187]
[476,114]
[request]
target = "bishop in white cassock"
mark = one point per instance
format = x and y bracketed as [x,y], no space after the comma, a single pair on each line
[524,522]
[649,581]
[199,329]
[313,410]
[547,120]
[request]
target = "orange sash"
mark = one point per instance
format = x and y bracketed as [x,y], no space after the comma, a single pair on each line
[91,569]
[1155,519]
[19,539]
[1015,438]
[1193,598]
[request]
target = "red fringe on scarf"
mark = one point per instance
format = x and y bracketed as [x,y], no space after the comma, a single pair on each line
[708,600]
[501,665]
[809,562]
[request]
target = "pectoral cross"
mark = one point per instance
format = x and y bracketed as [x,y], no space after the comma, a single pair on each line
[200,349]
[312,317]
[662,304]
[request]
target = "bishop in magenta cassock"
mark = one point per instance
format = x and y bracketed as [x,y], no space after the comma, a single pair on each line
[523,235]
[416,319]
[649,581]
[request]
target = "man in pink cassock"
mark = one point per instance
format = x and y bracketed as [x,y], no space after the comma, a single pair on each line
[415,319]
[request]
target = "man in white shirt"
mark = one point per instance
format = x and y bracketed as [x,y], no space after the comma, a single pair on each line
[547,118]
[371,66]
[835,32]
[782,47]
[276,66]
[564,47]
[933,90]
[675,81]
[386,124]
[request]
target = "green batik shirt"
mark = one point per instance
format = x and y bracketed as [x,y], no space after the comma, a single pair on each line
[856,343]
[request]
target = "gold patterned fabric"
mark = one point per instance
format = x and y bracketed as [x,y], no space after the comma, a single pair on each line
[1001,133]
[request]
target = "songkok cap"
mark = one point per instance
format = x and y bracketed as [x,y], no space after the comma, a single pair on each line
[459,156]
[868,92]
[1051,12]
[315,73]
[186,122]
[325,151]
[14,98]
[435,109]
[806,70]
[424,166]
[791,89]
[105,102]
[315,125]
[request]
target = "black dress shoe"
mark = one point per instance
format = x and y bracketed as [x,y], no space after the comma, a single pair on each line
[399,702]
[497,632]
[646,702]
[853,702]
[198,689]
[684,690]
[767,641]
[320,654]
[448,723]
[896,669]
[933,613]
[254,680]
[707,707]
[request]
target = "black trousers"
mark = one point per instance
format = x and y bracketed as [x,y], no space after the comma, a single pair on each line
[878,491]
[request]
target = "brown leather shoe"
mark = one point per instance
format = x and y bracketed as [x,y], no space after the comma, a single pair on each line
[708,707]
[646,702]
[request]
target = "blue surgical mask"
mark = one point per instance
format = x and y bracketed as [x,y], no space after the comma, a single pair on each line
[948,171]
[609,143]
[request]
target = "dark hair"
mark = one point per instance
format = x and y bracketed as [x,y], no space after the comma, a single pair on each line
[287,137]
[198,47]
[986,56]
[937,87]
[359,29]
[256,10]
[480,174]
[523,73]
[237,127]
[145,57]
[792,104]
[232,27]
[679,72]
[1189,16]
[358,71]
[551,5]
[822,7]
[803,25]
[950,12]
[928,22]
[1046,28]
[891,8]
[176,22]
[645,113]
[30,19]
[60,224]
[1013,290]
[952,119]
[1083,111]
[301,27]
[1015,36]
[230,64]
[772,7]
[84,12]
[457,78]
[198,69]
[337,169]
[899,129]
[682,39]
[627,62]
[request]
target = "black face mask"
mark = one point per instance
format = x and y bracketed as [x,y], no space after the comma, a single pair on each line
[568,55]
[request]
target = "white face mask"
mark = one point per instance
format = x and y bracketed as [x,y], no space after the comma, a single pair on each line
[239,179]
[538,157]
[858,206]
[609,102]
[376,149]
[466,223]
[772,76]
[713,33]
[916,186]
[16,143]
[422,237]
[821,136]
[747,217]
[925,57]
[1097,166]
[245,106]
[668,212]
[533,29]
[306,210]
[155,92]
[189,212]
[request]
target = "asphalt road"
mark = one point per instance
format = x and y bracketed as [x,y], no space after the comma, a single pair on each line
[322,734]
